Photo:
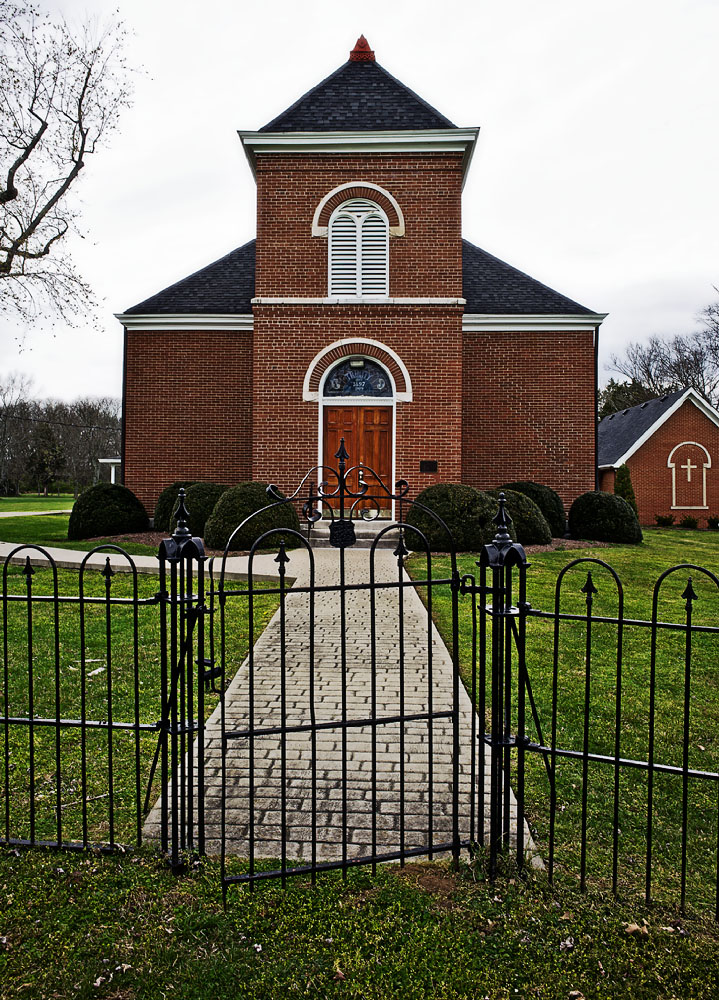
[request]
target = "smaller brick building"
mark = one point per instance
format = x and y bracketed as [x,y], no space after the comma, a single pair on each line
[671,446]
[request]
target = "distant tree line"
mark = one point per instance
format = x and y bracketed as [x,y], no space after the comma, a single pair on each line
[666,364]
[48,445]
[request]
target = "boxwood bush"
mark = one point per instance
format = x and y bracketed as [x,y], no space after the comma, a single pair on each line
[529,522]
[200,500]
[235,505]
[106,509]
[166,504]
[467,512]
[604,517]
[549,502]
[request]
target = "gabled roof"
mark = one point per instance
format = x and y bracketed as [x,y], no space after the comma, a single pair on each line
[490,286]
[621,434]
[225,286]
[359,96]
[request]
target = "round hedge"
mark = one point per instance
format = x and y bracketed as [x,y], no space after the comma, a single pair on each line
[604,517]
[549,502]
[166,504]
[467,512]
[235,505]
[200,500]
[106,509]
[528,520]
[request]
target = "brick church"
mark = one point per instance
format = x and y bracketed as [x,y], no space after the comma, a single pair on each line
[359,311]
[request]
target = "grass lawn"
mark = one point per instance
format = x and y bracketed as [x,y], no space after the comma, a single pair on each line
[130,697]
[124,927]
[50,530]
[638,567]
[31,501]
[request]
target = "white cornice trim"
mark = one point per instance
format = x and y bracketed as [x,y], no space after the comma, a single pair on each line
[510,322]
[186,321]
[450,140]
[354,300]
[693,396]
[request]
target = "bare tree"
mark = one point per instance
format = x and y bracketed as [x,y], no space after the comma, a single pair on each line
[665,364]
[15,430]
[61,92]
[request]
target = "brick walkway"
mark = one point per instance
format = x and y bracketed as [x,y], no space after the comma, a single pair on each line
[414,803]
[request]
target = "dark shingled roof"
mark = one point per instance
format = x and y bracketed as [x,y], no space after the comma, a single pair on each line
[228,285]
[619,431]
[492,286]
[358,97]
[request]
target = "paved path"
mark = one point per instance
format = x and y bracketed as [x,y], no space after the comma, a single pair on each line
[414,768]
[33,513]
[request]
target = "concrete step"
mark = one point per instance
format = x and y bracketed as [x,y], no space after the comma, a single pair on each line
[365,533]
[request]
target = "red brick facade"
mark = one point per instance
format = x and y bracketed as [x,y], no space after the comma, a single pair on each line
[487,407]
[693,439]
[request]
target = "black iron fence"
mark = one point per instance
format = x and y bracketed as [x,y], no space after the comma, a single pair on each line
[586,739]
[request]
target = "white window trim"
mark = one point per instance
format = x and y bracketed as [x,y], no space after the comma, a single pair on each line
[705,465]
[318,230]
[309,396]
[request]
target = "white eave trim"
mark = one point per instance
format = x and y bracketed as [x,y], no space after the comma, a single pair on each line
[450,140]
[693,396]
[186,321]
[354,300]
[510,322]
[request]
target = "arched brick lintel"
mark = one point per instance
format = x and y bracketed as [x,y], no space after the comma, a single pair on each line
[366,348]
[358,189]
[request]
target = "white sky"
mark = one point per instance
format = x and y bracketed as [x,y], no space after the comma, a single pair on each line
[596,170]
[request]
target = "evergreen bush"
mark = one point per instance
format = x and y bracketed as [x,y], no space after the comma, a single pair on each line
[106,509]
[664,520]
[623,487]
[549,502]
[689,523]
[200,500]
[604,517]
[467,512]
[713,523]
[237,503]
[529,523]
[166,503]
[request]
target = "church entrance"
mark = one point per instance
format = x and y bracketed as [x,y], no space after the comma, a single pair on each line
[357,400]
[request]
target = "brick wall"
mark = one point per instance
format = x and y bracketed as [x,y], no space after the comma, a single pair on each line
[528,410]
[427,261]
[188,398]
[652,479]
[287,338]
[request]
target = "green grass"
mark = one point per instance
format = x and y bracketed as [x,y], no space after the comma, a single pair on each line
[126,700]
[50,530]
[31,501]
[83,926]
[638,568]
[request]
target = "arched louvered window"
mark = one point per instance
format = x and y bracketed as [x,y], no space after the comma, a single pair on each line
[358,249]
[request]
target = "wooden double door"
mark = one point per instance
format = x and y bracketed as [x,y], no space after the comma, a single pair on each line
[367,431]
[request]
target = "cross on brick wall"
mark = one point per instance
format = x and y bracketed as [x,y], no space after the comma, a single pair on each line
[688,466]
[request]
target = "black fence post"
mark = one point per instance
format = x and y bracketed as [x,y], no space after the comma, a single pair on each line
[182,582]
[500,557]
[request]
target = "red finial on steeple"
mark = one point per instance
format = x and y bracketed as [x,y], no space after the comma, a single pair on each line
[362,52]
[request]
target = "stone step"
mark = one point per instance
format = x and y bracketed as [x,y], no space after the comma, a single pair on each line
[365,533]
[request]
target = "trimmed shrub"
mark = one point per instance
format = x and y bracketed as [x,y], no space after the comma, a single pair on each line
[623,487]
[604,517]
[713,523]
[200,500]
[689,523]
[237,503]
[106,509]
[166,504]
[528,520]
[664,520]
[467,512]
[549,502]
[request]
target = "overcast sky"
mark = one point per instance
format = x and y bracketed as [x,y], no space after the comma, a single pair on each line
[596,169]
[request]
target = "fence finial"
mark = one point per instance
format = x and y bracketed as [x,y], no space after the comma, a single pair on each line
[181,530]
[503,521]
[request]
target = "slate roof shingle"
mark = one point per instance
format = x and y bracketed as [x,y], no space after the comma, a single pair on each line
[619,431]
[490,285]
[358,97]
